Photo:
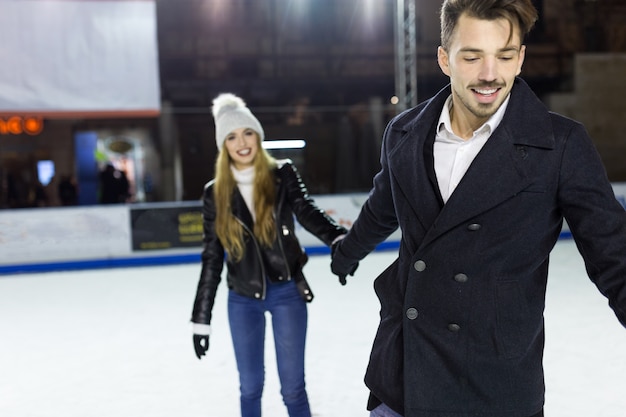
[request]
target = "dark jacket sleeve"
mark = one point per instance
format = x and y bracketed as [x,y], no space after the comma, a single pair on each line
[595,217]
[308,214]
[377,218]
[212,262]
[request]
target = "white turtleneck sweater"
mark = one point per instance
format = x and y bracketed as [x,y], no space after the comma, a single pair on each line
[245,179]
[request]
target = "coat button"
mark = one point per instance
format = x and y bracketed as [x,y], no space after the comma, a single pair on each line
[473,227]
[257,295]
[460,278]
[420,266]
[411,313]
[280,278]
[453,327]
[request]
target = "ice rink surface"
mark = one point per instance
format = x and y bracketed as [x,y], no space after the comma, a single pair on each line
[117,343]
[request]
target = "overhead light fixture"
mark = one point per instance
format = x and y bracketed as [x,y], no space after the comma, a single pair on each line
[284,144]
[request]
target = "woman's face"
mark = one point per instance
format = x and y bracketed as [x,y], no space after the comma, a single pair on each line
[242,145]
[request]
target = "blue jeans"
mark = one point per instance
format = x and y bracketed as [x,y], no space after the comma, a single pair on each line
[289,323]
[383,411]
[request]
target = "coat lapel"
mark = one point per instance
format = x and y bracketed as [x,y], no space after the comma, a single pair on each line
[499,171]
[494,176]
[240,209]
[411,162]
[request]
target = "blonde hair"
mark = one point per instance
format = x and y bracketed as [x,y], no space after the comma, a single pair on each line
[228,229]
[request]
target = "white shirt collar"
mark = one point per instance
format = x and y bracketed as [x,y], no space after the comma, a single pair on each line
[488,127]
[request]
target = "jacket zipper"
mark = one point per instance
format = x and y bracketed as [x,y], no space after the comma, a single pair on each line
[260,257]
[280,229]
[282,251]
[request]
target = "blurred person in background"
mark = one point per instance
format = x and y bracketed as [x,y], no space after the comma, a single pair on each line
[114,185]
[248,216]
[479,179]
[68,191]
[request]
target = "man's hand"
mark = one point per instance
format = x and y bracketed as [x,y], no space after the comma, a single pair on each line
[200,344]
[339,265]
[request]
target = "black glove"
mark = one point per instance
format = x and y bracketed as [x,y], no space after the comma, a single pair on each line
[340,265]
[200,344]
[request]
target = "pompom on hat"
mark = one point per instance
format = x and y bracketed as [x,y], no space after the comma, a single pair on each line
[230,112]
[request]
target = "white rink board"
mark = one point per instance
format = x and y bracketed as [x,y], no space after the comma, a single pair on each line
[58,234]
[75,234]
[95,233]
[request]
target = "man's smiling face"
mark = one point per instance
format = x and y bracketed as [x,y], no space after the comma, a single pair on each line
[482,61]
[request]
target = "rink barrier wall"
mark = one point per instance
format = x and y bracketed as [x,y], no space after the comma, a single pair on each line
[127,235]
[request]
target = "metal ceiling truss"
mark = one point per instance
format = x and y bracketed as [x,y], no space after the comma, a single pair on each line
[406,54]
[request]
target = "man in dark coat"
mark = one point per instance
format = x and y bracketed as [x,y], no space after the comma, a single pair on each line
[479,179]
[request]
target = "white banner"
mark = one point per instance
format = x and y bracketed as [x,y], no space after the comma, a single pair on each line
[80,57]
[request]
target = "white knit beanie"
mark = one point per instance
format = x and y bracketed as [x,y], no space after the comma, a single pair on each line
[230,113]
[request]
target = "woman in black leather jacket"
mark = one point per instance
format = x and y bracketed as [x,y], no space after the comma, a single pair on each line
[248,217]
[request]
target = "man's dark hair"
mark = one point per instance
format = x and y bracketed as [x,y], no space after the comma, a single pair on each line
[520,13]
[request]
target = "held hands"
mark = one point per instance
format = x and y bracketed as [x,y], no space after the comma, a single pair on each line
[200,344]
[340,265]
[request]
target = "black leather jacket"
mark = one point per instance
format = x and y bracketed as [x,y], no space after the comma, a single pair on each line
[282,262]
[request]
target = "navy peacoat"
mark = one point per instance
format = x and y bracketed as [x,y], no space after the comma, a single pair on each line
[461,328]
